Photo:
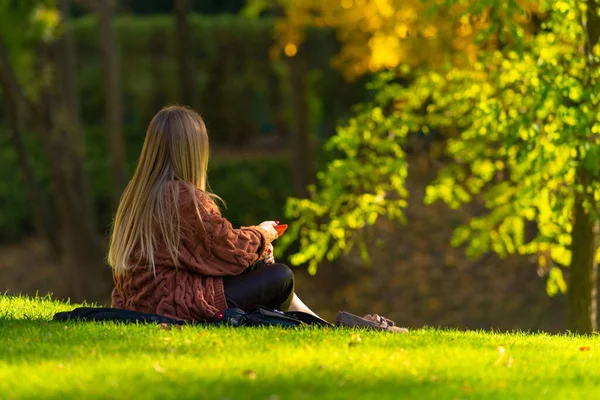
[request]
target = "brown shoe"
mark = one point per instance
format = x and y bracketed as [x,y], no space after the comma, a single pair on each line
[375,322]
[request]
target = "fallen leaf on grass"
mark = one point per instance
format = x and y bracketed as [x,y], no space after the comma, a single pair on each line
[509,362]
[466,388]
[585,348]
[354,339]
[158,368]
[250,374]
[501,354]
[164,326]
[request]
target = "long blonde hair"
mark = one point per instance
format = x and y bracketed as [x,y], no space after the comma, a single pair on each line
[175,148]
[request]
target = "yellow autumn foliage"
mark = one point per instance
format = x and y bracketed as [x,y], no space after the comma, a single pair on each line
[383,34]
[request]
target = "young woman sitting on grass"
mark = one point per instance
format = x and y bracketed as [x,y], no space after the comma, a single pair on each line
[172,252]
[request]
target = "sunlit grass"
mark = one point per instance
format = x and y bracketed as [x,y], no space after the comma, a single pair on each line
[44,359]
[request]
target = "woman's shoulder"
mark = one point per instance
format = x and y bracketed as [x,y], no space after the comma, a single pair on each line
[190,195]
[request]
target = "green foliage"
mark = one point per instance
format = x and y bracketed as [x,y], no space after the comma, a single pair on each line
[364,182]
[22,26]
[45,359]
[523,122]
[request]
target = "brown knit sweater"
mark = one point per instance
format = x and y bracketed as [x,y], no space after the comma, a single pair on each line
[194,289]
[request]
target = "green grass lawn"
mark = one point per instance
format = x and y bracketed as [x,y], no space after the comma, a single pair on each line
[44,359]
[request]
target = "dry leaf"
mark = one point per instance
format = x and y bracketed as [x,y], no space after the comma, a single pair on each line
[585,348]
[354,339]
[158,368]
[509,363]
[466,388]
[164,326]
[501,354]
[250,374]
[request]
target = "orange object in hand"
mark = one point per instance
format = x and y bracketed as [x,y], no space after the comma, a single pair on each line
[280,229]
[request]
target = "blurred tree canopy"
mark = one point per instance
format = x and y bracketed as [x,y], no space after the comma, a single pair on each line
[523,118]
[382,34]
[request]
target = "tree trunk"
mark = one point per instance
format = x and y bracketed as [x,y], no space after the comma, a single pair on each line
[68,66]
[42,215]
[113,99]
[63,142]
[583,284]
[65,95]
[300,147]
[583,278]
[184,51]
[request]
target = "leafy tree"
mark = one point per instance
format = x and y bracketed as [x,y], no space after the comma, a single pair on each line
[526,119]
[36,69]
[381,34]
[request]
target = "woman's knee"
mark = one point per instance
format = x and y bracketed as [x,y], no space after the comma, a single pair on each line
[283,279]
[281,273]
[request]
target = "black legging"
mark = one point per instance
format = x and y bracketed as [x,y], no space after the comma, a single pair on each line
[267,285]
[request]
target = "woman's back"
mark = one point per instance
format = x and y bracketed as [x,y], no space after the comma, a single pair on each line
[209,248]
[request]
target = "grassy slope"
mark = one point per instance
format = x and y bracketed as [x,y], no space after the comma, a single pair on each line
[42,359]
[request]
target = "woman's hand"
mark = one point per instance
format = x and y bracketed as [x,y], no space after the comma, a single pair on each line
[269,259]
[269,226]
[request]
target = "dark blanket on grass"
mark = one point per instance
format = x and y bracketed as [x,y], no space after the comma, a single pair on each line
[259,316]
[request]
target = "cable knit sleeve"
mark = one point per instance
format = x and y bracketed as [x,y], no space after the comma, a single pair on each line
[238,248]
[218,249]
